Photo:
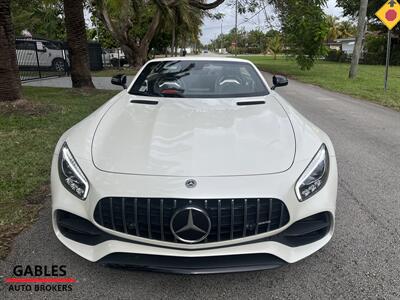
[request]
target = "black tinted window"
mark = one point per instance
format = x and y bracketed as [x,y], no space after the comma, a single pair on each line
[24,45]
[50,45]
[199,79]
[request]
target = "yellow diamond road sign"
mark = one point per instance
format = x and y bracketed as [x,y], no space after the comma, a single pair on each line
[389,14]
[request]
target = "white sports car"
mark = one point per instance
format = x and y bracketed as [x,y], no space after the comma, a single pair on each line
[197,167]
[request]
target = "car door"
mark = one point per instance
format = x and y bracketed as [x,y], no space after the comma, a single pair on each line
[44,54]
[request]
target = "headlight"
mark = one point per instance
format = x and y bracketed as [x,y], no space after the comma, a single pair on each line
[314,176]
[71,174]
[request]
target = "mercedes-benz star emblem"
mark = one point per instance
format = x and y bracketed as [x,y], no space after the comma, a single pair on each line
[190,183]
[190,224]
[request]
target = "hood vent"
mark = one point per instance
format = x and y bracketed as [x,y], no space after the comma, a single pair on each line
[148,102]
[245,103]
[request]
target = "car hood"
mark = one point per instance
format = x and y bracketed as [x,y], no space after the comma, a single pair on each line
[194,137]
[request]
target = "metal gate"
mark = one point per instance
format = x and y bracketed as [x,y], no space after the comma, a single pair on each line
[40,58]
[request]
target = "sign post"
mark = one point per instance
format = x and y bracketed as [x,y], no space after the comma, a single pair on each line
[389,44]
[389,14]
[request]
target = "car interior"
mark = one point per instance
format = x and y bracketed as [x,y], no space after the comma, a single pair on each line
[201,79]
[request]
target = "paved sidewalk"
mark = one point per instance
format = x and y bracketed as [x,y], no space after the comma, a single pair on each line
[103,83]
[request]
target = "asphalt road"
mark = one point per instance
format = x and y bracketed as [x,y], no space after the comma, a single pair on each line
[361,261]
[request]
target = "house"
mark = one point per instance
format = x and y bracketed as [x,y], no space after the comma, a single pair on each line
[347,44]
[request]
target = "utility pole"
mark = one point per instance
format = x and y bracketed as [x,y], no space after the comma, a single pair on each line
[236,26]
[221,36]
[358,46]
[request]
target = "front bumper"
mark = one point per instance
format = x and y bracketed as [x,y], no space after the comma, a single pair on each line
[253,253]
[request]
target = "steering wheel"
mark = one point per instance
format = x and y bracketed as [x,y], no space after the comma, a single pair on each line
[169,86]
[228,82]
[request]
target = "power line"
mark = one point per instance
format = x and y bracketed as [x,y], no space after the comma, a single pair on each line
[248,19]
[231,25]
[218,26]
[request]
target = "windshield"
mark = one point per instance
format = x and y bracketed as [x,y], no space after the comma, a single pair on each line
[199,79]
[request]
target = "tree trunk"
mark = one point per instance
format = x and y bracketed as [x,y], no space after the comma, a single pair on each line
[10,84]
[77,44]
[362,14]
[136,53]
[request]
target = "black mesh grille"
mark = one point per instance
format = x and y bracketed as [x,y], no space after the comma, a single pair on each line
[230,218]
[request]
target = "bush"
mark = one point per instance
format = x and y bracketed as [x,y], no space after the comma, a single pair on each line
[373,58]
[375,51]
[337,56]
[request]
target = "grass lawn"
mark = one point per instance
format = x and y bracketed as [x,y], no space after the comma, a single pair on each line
[112,72]
[334,76]
[28,135]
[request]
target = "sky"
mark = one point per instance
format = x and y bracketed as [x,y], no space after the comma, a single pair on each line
[212,28]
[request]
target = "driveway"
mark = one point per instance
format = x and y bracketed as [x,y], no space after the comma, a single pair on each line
[361,261]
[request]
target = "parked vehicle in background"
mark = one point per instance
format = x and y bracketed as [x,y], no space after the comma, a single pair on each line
[114,57]
[41,53]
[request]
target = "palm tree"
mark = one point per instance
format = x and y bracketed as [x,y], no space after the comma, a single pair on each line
[346,29]
[188,21]
[275,45]
[10,84]
[77,43]
[333,32]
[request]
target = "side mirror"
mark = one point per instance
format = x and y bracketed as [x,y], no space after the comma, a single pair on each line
[119,79]
[279,81]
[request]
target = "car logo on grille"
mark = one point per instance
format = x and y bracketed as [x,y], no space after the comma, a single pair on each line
[190,224]
[190,183]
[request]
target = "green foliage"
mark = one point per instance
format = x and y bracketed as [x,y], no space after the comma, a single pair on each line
[275,44]
[304,26]
[305,30]
[351,7]
[105,38]
[376,51]
[339,30]
[253,41]
[347,29]
[337,56]
[42,18]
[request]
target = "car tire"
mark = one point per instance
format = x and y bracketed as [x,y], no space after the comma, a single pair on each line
[115,62]
[59,65]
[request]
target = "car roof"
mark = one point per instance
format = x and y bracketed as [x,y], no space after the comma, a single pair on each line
[31,40]
[201,58]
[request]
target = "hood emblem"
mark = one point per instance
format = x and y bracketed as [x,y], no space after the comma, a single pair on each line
[190,183]
[190,224]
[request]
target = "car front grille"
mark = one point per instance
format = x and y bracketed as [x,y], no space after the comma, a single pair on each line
[230,218]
